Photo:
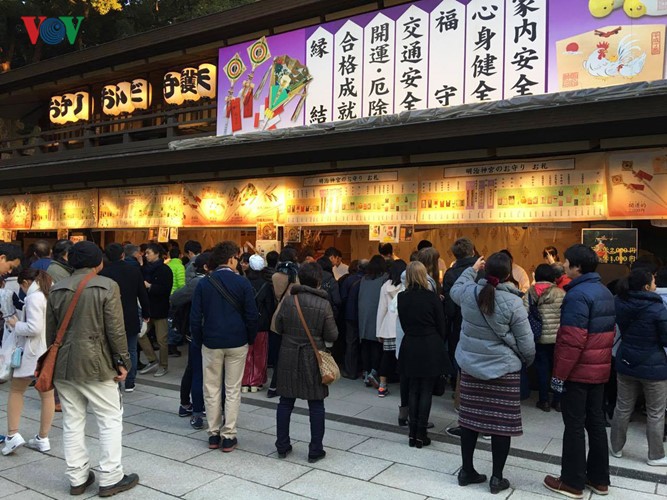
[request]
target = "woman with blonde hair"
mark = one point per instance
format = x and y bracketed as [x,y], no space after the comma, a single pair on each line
[422,357]
[30,333]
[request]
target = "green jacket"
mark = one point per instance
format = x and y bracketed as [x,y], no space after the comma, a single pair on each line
[95,336]
[178,270]
[58,271]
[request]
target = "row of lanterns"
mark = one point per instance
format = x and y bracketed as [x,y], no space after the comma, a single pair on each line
[190,84]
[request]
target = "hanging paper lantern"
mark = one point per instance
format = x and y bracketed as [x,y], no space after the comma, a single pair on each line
[171,88]
[124,97]
[109,100]
[55,115]
[189,84]
[207,80]
[141,94]
[82,106]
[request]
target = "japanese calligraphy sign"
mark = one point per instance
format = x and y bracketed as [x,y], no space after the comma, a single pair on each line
[189,84]
[155,206]
[357,198]
[70,108]
[520,191]
[72,210]
[638,184]
[15,212]
[126,97]
[441,53]
[232,203]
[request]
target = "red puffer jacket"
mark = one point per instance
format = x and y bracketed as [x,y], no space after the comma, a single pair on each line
[586,334]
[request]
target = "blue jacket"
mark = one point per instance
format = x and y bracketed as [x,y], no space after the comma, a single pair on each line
[586,334]
[642,319]
[41,264]
[214,322]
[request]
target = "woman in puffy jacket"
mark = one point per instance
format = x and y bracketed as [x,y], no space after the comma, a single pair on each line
[547,298]
[30,333]
[386,324]
[641,362]
[495,340]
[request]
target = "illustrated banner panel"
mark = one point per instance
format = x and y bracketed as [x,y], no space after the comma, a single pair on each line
[15,212]
[154,206]
[71,210]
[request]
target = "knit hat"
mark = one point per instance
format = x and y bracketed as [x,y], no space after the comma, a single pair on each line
[256,262]
[84,254]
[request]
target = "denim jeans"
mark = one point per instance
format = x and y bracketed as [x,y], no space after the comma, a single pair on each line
[192,382]
[283,415]
[544,362]
[174,337]
[132,349]
[582,413]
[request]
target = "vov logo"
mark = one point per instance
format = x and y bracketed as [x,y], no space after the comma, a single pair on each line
[52,30]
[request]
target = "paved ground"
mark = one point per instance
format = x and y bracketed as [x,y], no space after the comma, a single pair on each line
[368,456]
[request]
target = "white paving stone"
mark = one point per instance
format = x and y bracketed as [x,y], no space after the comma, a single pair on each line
[9,488]
[177,448]
[426,458]
[233,487]
[332,438]
[327,486]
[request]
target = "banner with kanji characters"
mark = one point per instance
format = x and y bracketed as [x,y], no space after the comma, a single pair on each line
[15,212]
[69,209]
[353,198]
[562,189]
[232,203]
[437,53]
[154,206]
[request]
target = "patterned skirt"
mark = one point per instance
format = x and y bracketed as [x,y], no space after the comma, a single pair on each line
[491,406]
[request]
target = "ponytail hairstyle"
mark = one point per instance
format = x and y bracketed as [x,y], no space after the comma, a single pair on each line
[42,278]
[498,270]
[634,282]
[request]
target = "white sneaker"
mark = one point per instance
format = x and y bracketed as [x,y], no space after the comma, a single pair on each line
[13,443]
[616,454]
[161,372]
[39,444]
[148,368]
[660,462]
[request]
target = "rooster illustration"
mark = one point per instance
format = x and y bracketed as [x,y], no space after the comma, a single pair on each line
[625,62]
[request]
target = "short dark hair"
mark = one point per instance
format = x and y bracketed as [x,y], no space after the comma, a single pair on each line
[221,254]
[155,248]
[634,282]
[397,268]
[10,251]
[376,267]
[545,272]
[272,259]
[325,264]
[131,249]
[288,254]
[245,257]
[114,251]
[507,252]
[463,248]
[192,246]
[333,252]
[310,274]
[61,248]
[424,244]
[385,249]
[661,277]
[558,269]
[582,257]
[174,253]
[42,248]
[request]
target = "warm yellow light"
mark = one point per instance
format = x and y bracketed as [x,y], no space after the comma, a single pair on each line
[142,93]
[189,84]
[171,88]
[207,80]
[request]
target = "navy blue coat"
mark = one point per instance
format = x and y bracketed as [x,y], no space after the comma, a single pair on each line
[642,319]
[214,322]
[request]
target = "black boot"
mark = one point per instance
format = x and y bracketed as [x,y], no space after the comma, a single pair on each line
[412,441]
[422,438]
[402,416]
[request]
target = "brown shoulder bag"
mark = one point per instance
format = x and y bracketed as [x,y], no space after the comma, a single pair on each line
[46,364]
[328,368]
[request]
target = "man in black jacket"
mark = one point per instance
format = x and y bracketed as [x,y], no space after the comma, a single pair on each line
[464,251]
[132,289]
[158,280]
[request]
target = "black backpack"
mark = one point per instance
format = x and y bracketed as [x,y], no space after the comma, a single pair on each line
[534,318]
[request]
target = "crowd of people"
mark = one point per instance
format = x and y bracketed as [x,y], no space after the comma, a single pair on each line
[598,349]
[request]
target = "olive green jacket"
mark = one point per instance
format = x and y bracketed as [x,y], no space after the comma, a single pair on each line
[95,336]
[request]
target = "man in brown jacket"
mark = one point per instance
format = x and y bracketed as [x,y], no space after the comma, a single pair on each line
[91,361]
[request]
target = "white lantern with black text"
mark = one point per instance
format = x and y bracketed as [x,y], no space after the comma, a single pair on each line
[82,107]
[171,88]
[207,80]
[124,98]
[109,106]
[54,110]
[189,84]
[141,94]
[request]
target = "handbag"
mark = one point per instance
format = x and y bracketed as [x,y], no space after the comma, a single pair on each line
[46,364]
[328,368]
[17,356]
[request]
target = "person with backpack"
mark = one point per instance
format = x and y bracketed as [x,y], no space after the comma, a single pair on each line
[543,301]
[254,376]
[641,363]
